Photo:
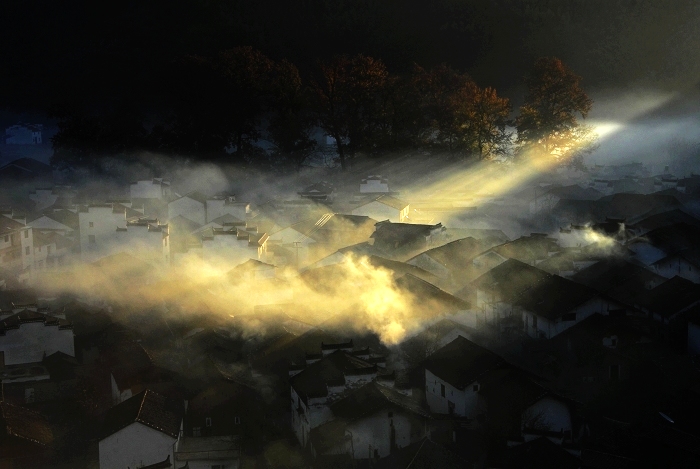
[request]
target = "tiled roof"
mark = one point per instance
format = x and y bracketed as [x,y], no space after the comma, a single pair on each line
[329,371]
[147,408]
[539,292]
[461,362]
[26,424]
[28,316]
[372,397]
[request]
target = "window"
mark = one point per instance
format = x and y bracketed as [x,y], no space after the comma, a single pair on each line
[91,225]
[237,420]
[7,238]
[26,251]
[91,239]
[442,390]
[26,233]
[196,431]
[208,421]
[476,388]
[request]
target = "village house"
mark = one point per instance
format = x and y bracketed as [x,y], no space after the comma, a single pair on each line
[586,359]
[14,237]
[531,250]
[202,209]
[515,296]
[663,242]
[24,134]
[29,334]
[545,198]
[452,376]
[26,438]
[192,206]
[403,239]
[643,225]
[324,380]
[450,262]
[370,423]
[51,380]
[233,246]
[140,431]
[619,279]
[685,263]
[667,305]
[55,197]
[156,188]
[374,185]
[320,191]
[101,228]
[465,380]
[384,207]
[24,169]
[61,221]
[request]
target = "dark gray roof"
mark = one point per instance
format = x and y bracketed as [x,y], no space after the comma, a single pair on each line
[461,362]
[147,408]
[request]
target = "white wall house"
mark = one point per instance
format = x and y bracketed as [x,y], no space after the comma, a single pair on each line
[28,336]
[370,423]
[684,264]
[374,184]
[226,204]
[140,431]
[45,223]
[233,247]
[445,398]
[112,228]
[24,134]
[384,208]
[453,377]
[156,188]
[192,206]
[320,384]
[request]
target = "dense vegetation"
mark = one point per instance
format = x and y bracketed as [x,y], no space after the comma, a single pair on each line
[133,72]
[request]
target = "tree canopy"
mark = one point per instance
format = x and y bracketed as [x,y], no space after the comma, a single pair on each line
[548,120]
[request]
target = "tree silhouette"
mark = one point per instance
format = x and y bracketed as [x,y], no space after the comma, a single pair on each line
[548,122]
[348,102]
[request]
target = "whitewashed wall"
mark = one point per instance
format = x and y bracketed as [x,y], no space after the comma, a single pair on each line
[380,212]
[189,208]
[134,446]
[468,403]
[33,340]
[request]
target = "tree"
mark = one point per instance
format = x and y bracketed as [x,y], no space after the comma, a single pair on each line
[487,118]
[447,93]
[290,121]
[220,103]
[548,123]
[348,102]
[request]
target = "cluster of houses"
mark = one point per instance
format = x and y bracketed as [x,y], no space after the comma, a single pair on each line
[571,345]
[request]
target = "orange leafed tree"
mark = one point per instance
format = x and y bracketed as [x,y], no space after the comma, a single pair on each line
[548,121]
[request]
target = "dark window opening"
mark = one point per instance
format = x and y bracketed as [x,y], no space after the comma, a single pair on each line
[442,390]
